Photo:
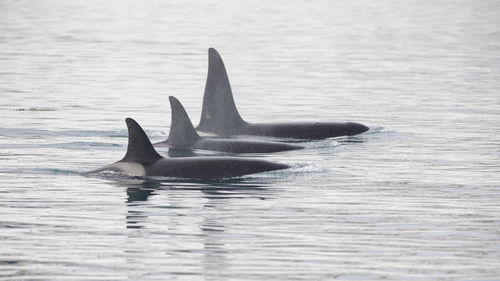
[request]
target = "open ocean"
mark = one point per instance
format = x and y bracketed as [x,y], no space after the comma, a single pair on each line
[415,198]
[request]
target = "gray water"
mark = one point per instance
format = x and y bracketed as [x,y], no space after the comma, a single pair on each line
[415,198]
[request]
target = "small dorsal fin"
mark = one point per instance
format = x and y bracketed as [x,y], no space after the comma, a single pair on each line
[139,149]
[219,114]
[182,133]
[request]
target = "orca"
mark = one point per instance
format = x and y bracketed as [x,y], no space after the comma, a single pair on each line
[182,135]
[221,117]
[142,160]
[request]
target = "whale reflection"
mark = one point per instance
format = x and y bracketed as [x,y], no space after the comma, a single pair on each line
[140,190]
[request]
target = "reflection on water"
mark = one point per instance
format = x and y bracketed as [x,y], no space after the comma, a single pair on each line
[215,252]
[414,198]
[181,153]
[213,219]
[138,194]
[140,190]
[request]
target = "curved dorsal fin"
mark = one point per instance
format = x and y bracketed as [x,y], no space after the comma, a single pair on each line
[219,114]
[182,132]
[139,149]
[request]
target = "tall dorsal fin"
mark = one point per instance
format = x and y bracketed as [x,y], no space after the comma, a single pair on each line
[139,149]
[182,133]
[219,114]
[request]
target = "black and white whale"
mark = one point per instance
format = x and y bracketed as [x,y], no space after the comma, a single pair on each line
[142,160]
[220,115]
[182,135]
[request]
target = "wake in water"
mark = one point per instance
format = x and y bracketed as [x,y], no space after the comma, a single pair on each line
[41,171]
[296,168]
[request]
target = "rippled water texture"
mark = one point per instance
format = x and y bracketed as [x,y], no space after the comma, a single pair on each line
[415,198]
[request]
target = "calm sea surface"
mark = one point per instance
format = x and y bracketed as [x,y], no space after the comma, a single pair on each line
[415,198]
